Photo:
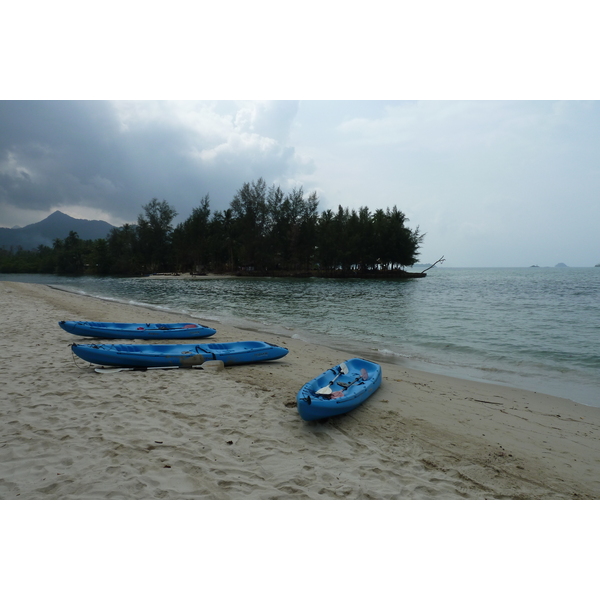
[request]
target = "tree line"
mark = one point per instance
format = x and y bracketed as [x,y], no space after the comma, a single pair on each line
[264,231]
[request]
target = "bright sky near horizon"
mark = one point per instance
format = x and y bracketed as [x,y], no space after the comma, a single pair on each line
[491,182]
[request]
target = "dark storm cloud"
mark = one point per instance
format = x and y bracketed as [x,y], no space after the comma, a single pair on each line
[118,156]
[52,151]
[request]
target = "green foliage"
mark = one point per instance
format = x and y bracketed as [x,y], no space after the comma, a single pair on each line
[154,235]
[190,239]
[70,254]
[122,255]
[263,230]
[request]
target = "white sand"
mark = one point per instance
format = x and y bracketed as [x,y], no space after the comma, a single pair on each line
[68,432]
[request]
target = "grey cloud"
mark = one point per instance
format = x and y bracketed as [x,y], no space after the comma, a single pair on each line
[81,153]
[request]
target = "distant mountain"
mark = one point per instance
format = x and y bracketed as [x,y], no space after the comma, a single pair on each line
[560,265]
[57,225]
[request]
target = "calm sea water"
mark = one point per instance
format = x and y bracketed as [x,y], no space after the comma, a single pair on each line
[532,328]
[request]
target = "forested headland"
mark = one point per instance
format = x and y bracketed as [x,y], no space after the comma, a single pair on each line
[263,232]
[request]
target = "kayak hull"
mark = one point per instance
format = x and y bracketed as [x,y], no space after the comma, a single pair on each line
[177,355]
[348,391]
[138,331]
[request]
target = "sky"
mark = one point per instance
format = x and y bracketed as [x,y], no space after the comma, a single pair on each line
[494,175]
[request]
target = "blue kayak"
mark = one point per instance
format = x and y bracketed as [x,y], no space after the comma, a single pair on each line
[339,389]
[177,355]
[138,331]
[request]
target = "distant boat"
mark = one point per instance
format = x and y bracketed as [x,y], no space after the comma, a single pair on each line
[535,266]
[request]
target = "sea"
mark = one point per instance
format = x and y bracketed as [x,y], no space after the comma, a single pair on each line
[532,328]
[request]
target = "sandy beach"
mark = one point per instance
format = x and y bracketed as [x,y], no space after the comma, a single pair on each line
[68,432]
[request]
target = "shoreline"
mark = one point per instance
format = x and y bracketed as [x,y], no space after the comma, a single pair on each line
[395,275]
[236,434]
[386,357]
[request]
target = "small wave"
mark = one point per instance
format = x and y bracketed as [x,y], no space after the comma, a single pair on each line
[302,338]
[146,305]
[387,352]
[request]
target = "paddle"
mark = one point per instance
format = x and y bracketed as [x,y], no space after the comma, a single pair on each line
[363,375]
[327,389]
[119,369]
